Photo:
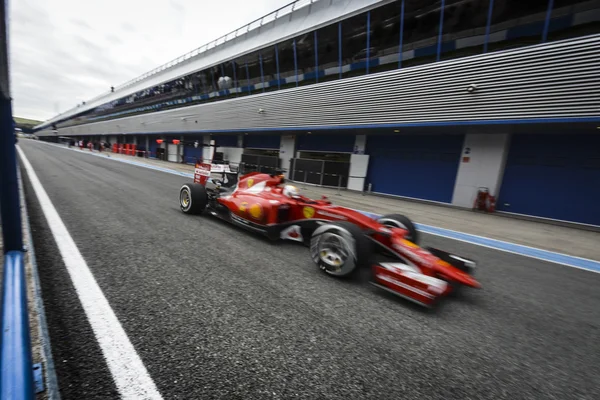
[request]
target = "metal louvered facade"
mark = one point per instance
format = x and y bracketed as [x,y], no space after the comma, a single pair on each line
[560,80]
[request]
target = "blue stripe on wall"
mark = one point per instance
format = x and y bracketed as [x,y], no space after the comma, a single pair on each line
[258,141]
[225,140]
[326,142]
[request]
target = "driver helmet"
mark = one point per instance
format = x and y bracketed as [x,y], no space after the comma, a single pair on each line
[290,191]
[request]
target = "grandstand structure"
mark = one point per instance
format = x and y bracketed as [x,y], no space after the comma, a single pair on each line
[430,100]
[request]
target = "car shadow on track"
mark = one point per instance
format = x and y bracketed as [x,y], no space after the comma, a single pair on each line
[360,281]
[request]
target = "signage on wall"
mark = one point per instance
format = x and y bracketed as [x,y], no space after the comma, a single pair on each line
[466,158]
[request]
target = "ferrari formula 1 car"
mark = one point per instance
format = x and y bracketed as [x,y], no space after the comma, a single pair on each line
[341,240]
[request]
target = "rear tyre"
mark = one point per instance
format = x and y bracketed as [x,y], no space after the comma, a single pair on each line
[340,248]
[400,221]
[193,198]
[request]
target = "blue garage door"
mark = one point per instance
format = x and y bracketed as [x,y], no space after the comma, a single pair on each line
[193,154]
[417,166]
[553,176]
[326,142]
[258,141]
[153,146]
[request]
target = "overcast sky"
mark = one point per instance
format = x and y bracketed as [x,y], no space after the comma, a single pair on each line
[63,52]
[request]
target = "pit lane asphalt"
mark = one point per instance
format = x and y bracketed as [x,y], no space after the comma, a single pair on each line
[216,312]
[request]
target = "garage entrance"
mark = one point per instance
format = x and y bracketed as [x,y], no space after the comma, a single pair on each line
[553,176]
[417,166]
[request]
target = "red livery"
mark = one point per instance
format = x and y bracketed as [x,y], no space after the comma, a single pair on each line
[341,240]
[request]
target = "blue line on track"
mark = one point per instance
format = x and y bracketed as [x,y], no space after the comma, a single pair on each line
[544,255]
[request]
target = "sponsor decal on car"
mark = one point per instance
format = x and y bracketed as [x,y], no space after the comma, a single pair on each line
[255,211]
[408,243]
[243,206]
[328,214]
[308,212]
[202,169]
[250,182]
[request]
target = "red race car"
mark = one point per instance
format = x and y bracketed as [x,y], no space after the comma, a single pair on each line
[341,240]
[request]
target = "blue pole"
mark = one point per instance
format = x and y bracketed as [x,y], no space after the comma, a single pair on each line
[222,75]
[368,40]
[212,76]
[401,35]
[439,43]
[547,22]
[248,77]
[262,76]
[203,85]
[488,26]
[295,62]
[316,57]
[340,47]
[277,62]
[235,82]
[10,210]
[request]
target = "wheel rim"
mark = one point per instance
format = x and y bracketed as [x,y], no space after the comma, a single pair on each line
[185,199]
[335,254]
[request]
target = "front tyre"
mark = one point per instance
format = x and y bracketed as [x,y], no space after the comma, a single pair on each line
[402,222]
[193,198]
[340,249]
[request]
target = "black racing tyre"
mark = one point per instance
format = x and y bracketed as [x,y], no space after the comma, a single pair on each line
[340,248]
[400,221]
[193,198]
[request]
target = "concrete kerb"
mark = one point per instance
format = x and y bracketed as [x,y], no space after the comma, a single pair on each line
[531,252]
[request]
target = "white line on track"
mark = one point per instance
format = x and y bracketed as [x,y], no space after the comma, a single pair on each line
[127,369]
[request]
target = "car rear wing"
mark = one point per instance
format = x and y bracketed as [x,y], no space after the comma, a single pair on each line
[202,173]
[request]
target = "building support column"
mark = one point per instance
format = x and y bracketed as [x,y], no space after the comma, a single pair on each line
[359,164]
[208,151]
[287,149]
[481,165]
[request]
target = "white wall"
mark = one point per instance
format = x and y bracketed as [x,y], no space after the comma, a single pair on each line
[231,154]
[208,151]
[482,165]
[359,164]
[286,152]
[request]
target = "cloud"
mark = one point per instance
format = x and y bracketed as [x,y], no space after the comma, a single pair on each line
[127,27]
[80,23]
[113,39]
[67,51]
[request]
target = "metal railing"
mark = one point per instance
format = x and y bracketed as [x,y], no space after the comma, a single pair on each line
[16,370]
[280,12]
[256,24]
